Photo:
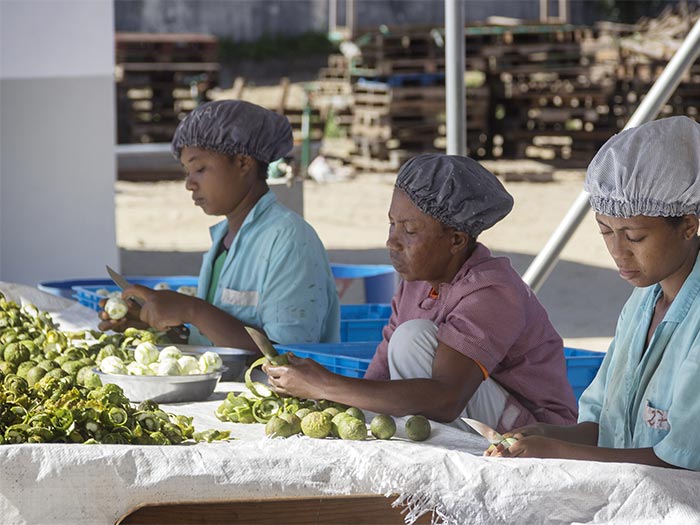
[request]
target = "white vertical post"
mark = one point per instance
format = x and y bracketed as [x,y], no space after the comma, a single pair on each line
[332,15]
[455,104]
[58,168]
[563,11]
[350,15]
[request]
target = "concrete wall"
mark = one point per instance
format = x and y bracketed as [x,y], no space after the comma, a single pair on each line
[57,166]
[250,19]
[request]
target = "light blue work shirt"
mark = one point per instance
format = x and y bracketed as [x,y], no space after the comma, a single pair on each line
[650,397]
[276,276]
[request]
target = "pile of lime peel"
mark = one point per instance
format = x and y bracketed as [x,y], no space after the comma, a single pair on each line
[289,416]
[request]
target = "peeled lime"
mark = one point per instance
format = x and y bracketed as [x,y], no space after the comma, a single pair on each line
[417,428]
[383,426]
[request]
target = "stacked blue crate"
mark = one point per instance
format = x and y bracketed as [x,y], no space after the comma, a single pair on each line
[352,360]
[363,322]
[88,295]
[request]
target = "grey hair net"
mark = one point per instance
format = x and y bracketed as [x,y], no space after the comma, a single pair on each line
[457,191]
[652,170]
[233,127]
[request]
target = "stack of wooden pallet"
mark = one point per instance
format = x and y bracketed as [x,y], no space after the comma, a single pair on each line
[398,87]
[552,100]
[159,78]
[332,96]
[645,54]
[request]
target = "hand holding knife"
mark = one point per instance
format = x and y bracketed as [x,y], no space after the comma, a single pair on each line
[178,334]
[490,434]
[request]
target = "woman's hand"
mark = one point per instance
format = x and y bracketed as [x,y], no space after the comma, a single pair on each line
[162,309]
[303,378]
[531,446]
[130,320]
[536,429]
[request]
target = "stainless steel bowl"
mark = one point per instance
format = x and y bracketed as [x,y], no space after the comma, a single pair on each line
[165,389]
[232,358]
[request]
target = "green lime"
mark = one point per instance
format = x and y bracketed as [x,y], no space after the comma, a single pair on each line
[383,426]
[417,428]
[278,427]
[302,412]
[34,374]
[316,425]
[331,411]
[340,416]
[356,413]
[352,429]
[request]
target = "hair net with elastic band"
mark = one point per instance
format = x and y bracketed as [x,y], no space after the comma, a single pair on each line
[233,127]
[457,191]
[652,170]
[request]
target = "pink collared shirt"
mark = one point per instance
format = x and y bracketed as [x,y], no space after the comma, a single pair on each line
[490,315]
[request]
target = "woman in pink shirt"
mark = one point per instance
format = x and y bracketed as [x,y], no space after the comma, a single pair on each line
[466,337]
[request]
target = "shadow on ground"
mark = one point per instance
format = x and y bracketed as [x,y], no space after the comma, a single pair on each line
[582,300]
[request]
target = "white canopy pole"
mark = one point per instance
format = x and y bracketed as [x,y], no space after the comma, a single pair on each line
[649,108]
[454,79]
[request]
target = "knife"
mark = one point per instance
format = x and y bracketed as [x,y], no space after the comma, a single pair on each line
[490,434]
[265,346]
[181,332]
[123,284]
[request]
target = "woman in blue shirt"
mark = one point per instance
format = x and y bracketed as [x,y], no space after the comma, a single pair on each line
[642,407]
[266,267]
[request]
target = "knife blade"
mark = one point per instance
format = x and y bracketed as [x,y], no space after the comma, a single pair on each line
[179,333]
[123,284]
[265,346]
[486,431]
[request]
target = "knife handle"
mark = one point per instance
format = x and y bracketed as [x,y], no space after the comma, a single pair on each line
[178,334]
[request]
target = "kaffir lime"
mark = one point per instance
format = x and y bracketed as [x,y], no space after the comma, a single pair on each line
[417,428]
[383,426]
[316,425]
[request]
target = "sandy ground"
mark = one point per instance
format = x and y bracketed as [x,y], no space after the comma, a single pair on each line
[160,232]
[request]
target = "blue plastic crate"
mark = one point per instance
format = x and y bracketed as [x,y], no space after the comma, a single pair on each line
[88,296]
[363,322]
[379,279]
[581,367]
[345,359]
[65,288]
[351,359]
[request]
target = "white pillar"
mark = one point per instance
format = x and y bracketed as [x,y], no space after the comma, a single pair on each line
[57,134]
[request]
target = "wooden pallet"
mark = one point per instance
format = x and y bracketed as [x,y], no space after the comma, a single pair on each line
[165,47]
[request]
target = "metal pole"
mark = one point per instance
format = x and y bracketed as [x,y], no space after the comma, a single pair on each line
[332,16]
[350,22]
[454,78]
[649,108]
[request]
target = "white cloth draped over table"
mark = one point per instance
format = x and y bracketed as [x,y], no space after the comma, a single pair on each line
[96,484]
